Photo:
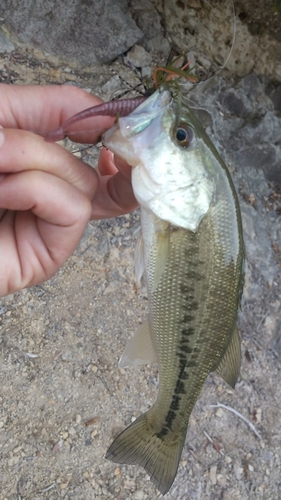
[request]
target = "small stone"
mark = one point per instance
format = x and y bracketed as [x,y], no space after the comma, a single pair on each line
[138,495]
[17,449]
[138,57]
[238,471]
[219,412]
[258,415]
[94,369]
[117,471]
[63,486]
[13,461]
[146,72]
[78,417]
[64,435]
[112,287]
[213,474]
[194,4]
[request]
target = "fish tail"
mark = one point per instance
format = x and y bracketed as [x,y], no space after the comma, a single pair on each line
[140,444]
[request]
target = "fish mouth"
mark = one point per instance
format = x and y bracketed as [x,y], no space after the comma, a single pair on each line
[133,132]
[142,116]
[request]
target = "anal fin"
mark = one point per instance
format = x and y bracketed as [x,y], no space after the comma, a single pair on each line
[139,350]
[229,366]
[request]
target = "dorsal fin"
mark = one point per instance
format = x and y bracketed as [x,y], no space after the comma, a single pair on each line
[229,366]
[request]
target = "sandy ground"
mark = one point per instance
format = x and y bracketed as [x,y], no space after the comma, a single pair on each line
[62,396]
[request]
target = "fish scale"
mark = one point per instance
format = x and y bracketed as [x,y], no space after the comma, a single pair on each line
[203,277]
[192,252]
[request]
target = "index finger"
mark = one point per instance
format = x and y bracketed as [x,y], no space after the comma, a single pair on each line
[41,109]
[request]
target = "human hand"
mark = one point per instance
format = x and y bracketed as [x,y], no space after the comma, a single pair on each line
[47,195]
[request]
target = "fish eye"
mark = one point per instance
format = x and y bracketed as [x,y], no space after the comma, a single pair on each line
[184,135]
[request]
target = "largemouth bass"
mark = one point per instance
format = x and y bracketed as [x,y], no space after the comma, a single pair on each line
[192,253]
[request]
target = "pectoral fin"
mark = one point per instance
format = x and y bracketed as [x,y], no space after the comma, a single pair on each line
[229,366]
[139,258]
[139,350]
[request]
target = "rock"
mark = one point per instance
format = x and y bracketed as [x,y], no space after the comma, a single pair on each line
[251,85]
[213,474]
[235,102]
[138,57]
[148,20]
[5,44]
[246,124]
[76,31]
[276,98]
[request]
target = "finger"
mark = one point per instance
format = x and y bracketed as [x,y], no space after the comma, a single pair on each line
[114,197]
[110,164]
[42,109]
[23,151]
[123,167]
[48,235]
[50,198]
[106,163]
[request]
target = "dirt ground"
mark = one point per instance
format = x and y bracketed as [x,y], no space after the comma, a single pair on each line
[63,398]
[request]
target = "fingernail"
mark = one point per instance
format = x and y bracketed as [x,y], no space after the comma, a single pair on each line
[2,138]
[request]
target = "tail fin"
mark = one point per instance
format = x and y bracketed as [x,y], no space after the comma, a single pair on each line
[140,445]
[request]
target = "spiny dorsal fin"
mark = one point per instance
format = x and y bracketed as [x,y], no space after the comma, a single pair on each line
[139,350]
[229,366]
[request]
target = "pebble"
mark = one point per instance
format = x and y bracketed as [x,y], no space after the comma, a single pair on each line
[213,474]
[138,57]
[139,495]
[219,412]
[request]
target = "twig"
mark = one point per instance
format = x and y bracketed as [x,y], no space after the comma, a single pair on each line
[212,442]
[262,319]
[48,488]
[252,427]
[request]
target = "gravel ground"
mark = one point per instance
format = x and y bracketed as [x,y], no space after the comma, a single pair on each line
[62,396]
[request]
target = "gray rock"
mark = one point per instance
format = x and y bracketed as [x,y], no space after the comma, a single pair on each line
[276,98]
[258,244]
[240,117]
[251,85]
[245,122]
[138,57]
[148,20]
[5,44]
[234,101]
[266,157]
[78,30]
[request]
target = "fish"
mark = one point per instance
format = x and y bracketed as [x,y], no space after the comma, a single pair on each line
[192,252]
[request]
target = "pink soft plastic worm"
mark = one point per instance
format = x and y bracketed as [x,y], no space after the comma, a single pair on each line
[112,108]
